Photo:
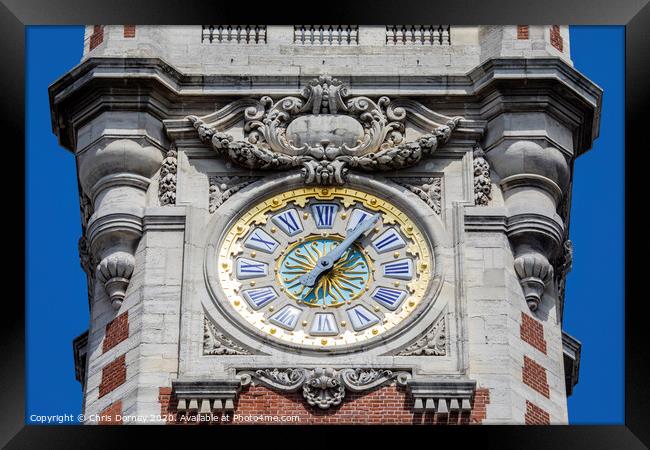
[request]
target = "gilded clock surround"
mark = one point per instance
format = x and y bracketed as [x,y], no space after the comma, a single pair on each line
[231,246]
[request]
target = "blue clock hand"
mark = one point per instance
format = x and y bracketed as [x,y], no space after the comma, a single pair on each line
[327,262]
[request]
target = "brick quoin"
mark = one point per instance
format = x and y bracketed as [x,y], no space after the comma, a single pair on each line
[386,405]
[479,406]
[532,331]
[112,415]
[556,38]
[536,415]
[522,31]
[129,31]
[113,375]
[534,376]
[97,37]
[117,330]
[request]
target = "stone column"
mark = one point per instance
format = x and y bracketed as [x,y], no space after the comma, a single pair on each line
[534,177]
[115,174]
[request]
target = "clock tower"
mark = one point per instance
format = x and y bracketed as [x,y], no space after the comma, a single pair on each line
[326,224]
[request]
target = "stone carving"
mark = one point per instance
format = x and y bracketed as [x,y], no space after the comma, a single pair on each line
[88,265]
[86,209]
[114,272]
[565,264]
[324,387]
[428,189]
[217,343]
[326,132]
[167,185]
[482,181]
[534,272]
[222,187]
[432,343]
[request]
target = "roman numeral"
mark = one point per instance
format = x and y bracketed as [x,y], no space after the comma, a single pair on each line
[260,240]
[324,324]
[259,297]
[361,318]
[324,214]
[289,222]
[401,269]
[388,240]
[389,298]
[356,217]
[248,268]
[287,317]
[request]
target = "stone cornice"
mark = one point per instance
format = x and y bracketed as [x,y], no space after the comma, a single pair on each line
[502,84]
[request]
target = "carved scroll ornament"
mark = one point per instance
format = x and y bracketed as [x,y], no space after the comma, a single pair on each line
[326,132]
[324,387]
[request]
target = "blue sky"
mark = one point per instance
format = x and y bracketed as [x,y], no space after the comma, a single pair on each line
[57,305]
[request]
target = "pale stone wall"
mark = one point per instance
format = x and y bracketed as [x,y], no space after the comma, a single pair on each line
[181,47]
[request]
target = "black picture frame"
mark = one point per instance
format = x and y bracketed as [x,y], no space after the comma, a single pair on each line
[633,14]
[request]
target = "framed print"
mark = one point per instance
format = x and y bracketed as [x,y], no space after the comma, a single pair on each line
[360,224]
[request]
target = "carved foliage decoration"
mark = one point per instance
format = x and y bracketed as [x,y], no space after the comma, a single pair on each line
[482,181]
[167,185]
[324,387]
[222,187]
[429,189]
[217,343]
[432,343]
[564,266]
[373,134]
[86,259]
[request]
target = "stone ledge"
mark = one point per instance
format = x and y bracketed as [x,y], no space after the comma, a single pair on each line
[206,396]
[442,396]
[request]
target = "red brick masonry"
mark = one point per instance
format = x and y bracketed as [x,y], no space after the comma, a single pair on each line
[532,331]
[534,376]
[97,37]
[112,415]
[522,31]
[117,331]
[113,375]
[129,31]
[536,415]
[556,38]
[386,405]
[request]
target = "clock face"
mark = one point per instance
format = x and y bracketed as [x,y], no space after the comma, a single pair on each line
[370,267]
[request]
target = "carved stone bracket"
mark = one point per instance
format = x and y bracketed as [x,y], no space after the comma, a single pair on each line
[206,396]
[534,272]
[114,272]
[222,187]
[441,396]
[324,387]
[429,189]
[167,183]
[215,342]
[325,132]
[433,342]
